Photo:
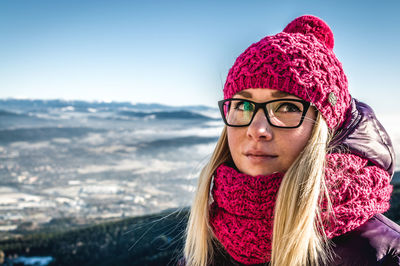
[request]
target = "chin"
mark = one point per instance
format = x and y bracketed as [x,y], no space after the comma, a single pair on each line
[265,173]
[256,169]
[256,172]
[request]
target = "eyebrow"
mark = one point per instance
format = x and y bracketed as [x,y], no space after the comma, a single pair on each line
[280,94]
[274,94]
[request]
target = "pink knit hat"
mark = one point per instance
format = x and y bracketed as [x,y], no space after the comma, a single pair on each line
[299,61]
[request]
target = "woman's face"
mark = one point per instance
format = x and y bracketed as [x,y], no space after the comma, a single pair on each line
[261,149]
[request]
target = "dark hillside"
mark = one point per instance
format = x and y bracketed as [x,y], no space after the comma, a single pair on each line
[148,240]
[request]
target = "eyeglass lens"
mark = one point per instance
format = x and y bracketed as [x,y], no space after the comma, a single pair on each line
[283,113]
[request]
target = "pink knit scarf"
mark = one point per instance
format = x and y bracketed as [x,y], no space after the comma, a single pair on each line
[242,212]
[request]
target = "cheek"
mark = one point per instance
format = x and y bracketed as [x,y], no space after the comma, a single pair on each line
[231,139]
[298,146]
[297,142]
[235,137]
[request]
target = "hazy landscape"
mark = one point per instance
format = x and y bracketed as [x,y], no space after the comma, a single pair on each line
[95,161]
[67,165]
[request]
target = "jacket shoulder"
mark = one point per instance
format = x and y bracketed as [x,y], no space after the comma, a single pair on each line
[376,242]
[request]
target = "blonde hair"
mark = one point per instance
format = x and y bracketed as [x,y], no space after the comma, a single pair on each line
[297,223]
[298,238]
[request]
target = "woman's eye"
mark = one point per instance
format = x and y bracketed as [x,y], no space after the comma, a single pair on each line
[288,107]
[244,106]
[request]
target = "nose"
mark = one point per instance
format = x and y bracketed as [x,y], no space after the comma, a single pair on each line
[260,129]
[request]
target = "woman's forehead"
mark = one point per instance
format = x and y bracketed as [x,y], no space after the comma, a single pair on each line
[263,92]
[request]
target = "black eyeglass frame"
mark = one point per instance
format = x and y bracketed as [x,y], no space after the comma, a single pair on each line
[306,106]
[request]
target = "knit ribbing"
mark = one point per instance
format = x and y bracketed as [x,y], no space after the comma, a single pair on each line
[357,190]
[242,212]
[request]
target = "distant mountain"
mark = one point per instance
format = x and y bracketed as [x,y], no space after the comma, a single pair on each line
[18,112]
[41,105]
[42,133]
[4,113]
[166,115]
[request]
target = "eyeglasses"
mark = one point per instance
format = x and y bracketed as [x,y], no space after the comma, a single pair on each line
[281,113]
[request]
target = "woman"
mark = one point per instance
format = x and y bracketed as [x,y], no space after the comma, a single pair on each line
[301,172]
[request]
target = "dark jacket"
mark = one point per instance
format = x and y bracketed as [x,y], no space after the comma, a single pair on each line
[362,134]
[376,242]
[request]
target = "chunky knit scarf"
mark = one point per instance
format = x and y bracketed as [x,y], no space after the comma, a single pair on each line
[242,212]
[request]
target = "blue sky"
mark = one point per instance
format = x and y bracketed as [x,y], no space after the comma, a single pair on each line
[179,52]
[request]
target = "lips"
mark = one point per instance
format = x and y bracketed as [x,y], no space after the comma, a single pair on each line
[257,156]
[257,153]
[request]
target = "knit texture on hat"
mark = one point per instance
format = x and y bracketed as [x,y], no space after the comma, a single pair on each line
[242,212]
[299,61]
